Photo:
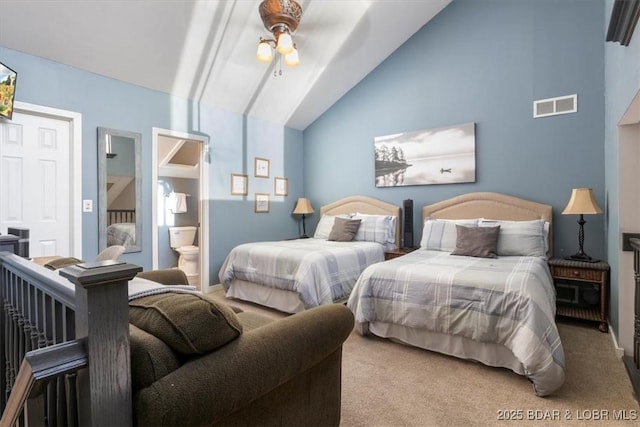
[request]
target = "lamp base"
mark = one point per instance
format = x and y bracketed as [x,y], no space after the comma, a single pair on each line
[582,257]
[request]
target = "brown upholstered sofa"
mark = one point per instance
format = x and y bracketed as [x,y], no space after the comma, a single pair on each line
[196,361]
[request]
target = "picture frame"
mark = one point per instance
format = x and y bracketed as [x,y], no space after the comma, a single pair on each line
[261,168]
[239,184]
[280,186]
[261,203]
[8,79]
[443,155]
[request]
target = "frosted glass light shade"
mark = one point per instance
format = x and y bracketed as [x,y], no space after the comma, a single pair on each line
[264,53]
[285,43]
[291,59]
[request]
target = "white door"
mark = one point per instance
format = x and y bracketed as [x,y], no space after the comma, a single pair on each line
[35,181]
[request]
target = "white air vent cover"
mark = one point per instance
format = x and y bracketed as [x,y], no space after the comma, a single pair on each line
[554,106]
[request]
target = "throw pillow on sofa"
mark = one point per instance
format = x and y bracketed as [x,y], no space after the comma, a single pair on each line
[189,323]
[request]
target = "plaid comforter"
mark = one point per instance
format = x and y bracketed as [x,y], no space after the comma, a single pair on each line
[320,271]
[506,300]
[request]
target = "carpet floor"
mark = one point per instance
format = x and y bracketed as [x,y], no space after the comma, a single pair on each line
[390,384]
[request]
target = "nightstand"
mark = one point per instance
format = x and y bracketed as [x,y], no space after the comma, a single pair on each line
[582,289]
[397,252]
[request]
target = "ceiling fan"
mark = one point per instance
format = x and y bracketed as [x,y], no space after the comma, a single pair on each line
[281,18]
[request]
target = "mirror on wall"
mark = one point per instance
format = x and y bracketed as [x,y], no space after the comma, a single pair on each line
[119,189]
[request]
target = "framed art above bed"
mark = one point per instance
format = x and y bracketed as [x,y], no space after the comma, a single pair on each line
[432,156]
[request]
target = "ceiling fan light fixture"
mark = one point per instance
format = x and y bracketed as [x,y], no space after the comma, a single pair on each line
[264,53]
[285,43]
[291,59]
[281,18]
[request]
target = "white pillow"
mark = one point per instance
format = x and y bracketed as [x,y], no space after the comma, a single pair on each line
[441,234]
[521,238]
[323,229]
[376,228]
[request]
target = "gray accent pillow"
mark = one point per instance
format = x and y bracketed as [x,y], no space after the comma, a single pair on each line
[481,242]
[344,230]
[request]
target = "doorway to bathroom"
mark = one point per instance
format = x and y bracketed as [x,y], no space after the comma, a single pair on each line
[180,200]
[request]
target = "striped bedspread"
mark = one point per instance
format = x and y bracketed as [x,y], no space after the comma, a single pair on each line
[506,300]
[320,271]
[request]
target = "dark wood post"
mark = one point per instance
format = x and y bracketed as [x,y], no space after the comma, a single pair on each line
[102,315]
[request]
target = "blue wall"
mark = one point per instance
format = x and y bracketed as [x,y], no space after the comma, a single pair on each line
[622,80]
[483,62]
[234,142]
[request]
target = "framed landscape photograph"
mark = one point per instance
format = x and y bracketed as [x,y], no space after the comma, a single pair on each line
[261,203]
[7,90]
[444,155]
[261,168]
[281,186]
[239,184]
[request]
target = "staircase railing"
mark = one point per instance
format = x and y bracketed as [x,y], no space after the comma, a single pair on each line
[64,352]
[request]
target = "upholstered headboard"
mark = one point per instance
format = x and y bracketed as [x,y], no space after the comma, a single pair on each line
[492,206]
[366,205]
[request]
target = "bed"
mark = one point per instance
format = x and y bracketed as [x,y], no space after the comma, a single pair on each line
[499,311]
[294,275]
[122,233]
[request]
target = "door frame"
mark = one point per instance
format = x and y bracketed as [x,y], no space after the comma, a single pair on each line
[203,199]
[628,130]
[75,162]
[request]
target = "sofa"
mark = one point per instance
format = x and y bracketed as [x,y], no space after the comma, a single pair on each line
[197,361]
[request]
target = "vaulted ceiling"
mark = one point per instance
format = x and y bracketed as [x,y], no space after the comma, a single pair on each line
[206,50]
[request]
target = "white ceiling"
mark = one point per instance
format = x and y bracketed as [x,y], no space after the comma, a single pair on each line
[205,50]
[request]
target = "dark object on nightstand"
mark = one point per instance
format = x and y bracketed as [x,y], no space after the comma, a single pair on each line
[408,223]
[582,202]
[582,289]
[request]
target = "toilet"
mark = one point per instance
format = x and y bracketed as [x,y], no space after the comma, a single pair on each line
[181,240]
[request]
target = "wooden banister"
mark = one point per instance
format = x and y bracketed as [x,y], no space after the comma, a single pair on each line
[102,316]
[66,330]
[38,367]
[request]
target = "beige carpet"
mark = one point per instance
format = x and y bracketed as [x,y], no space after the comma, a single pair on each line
[389,384]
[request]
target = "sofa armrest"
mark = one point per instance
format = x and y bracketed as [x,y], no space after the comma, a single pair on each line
[207,389]
[166,276]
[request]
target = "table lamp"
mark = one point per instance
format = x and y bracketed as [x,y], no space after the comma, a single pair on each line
[582,202]
[303,207]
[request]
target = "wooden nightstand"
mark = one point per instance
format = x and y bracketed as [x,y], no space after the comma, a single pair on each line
[397,252]
[582,289]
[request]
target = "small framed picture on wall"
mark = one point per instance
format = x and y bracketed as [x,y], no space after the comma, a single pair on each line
[239,184]
[261,203]
[261,168]
[281,186]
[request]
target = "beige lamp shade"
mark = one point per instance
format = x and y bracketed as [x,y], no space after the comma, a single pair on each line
[582,201]
[303,207]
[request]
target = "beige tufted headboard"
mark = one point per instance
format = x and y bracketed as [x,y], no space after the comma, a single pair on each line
[492,206]
[366,205]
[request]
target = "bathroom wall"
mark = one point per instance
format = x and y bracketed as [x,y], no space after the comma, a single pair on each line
[166,256]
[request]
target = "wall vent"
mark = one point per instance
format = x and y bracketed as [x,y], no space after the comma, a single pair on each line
[554,106]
